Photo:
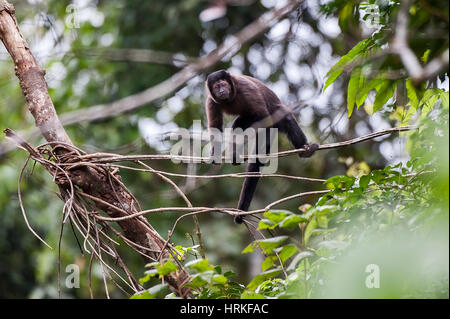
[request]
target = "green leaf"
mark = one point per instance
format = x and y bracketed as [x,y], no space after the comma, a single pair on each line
[353,87]
[298,258]
[200,265]
[221,279]
[229,274]
[166,268]
[251,295]
[268,262]
[218,269]
[309,228]
[430,97]
[147,277]
[250,248]
[340,181]
[198,280]
[266,224]
[444,97]
[346,16]
[142,295]
[152,293]
[276,216]
[287,251]
[384,92]
[260,278]
[322,221]
[425,56]
[364,181]
[268,245]
[292,221]
[412,95]
[379,176]
[339,67]
[152,264]
[158,289]
[365,88]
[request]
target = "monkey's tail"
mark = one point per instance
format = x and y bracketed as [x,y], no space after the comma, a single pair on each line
[252,227]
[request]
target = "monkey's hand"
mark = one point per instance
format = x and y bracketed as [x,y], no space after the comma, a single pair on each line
[235,160]
[310,149]
[214,159]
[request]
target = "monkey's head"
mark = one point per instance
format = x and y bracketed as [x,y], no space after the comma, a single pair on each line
[221,86]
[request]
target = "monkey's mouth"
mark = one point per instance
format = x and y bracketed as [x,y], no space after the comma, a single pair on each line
[223,95]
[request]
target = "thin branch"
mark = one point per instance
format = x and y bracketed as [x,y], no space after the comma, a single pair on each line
[110,158]
[88,180]
[160,90]
[19,195]
[135,55]
[400,46]
[344,143]
[134,101]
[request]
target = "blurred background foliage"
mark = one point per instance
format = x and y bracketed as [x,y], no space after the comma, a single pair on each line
[296,58]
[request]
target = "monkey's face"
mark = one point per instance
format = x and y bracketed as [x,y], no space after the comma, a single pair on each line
[222,90]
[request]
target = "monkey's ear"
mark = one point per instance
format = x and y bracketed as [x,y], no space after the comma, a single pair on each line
[208,86]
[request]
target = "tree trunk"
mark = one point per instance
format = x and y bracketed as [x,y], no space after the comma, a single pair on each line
[92,182]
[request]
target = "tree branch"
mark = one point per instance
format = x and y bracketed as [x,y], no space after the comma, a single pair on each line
[110,157]
[134,101]
[135,55]
[160,90]
[400,46]
[116,201]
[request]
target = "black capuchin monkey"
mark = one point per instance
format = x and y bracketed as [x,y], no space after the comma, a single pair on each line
[253,103]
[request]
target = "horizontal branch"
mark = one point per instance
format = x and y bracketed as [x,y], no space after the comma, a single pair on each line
[160,90]
[110,158]
[344,143]
[134,101]
[135,55]
[230,175]
[229,211]
[101,184]
[410,61]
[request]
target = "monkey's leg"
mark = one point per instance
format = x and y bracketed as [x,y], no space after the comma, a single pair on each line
[242,122]
[295,134]
[249,185]
[248,190]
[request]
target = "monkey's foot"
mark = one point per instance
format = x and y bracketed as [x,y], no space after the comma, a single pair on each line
[214,160]
[235,160]
[310,149]
[238,219]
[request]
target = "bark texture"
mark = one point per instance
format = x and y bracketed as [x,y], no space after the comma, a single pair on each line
[91,181]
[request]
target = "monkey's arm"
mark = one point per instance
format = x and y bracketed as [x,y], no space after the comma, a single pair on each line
[290,127]
[215,126]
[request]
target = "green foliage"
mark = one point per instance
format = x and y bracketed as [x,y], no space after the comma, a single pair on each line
[366,215]
[358,51]
[395,217]
[78,78]
[382,212]
[373,66]
[207,281]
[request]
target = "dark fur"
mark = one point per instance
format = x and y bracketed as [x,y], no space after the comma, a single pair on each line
[252,102]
